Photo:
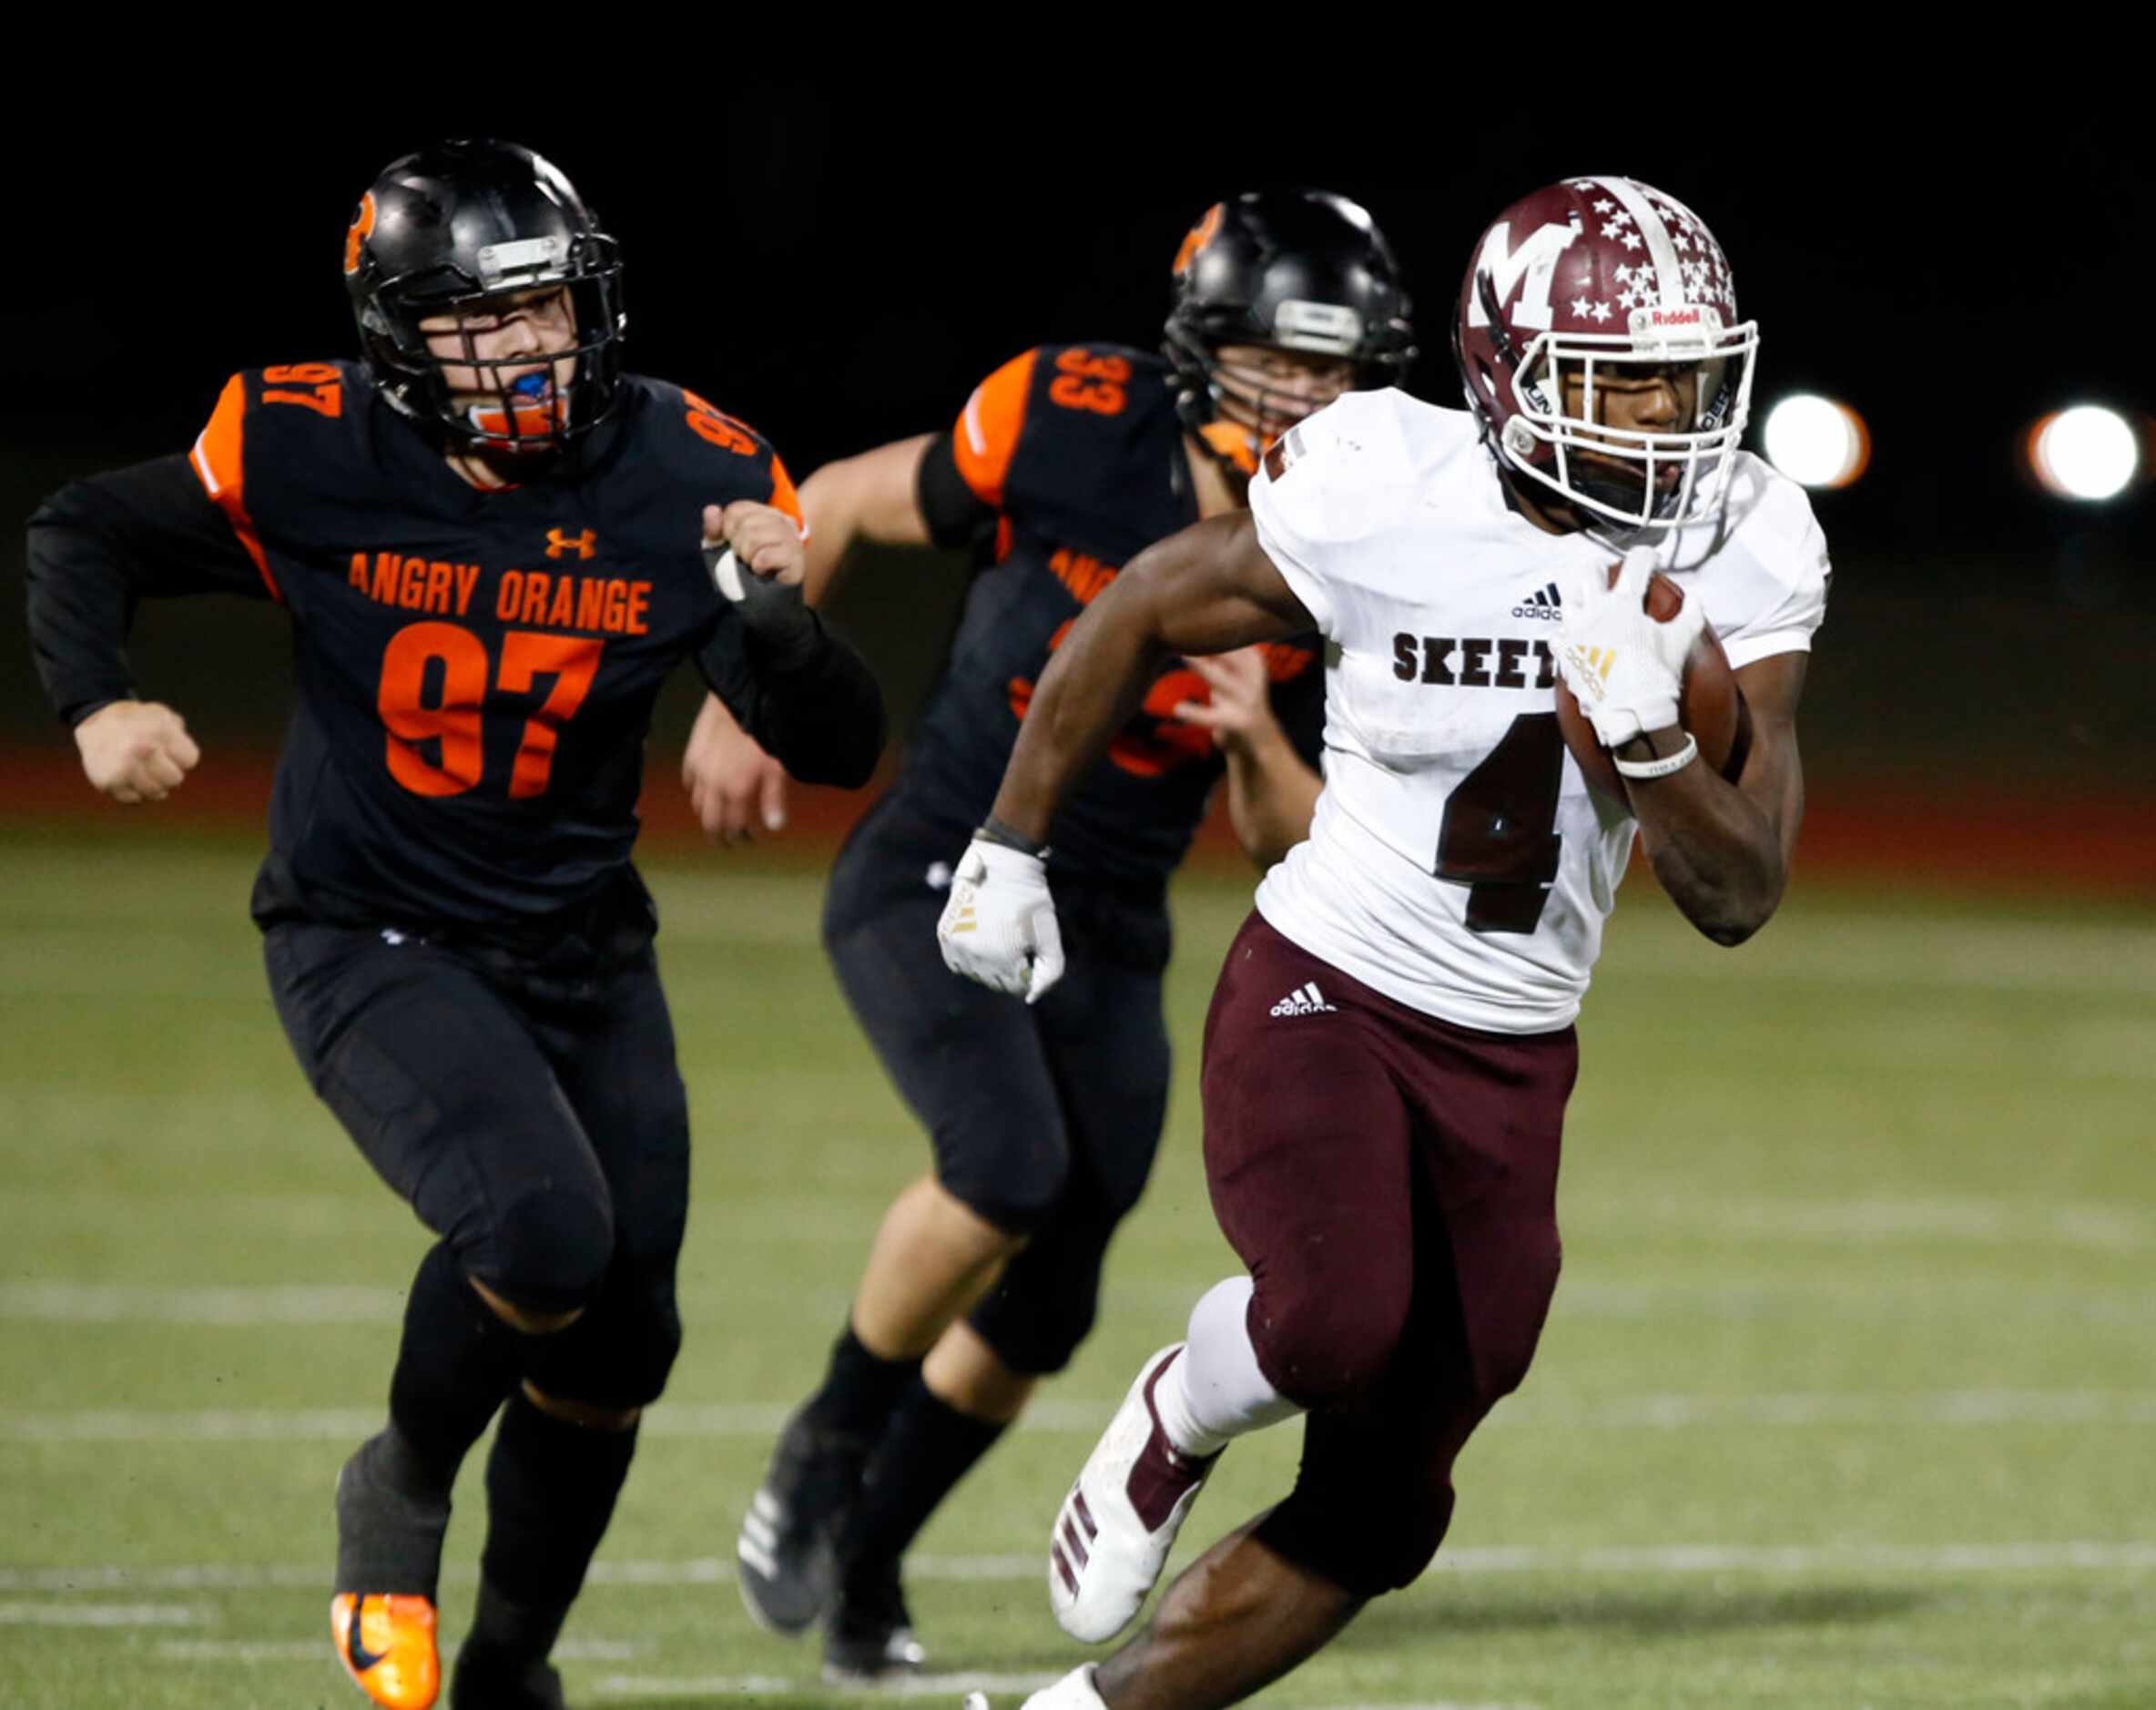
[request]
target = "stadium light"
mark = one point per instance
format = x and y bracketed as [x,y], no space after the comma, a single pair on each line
[2084,452]
[1817,441]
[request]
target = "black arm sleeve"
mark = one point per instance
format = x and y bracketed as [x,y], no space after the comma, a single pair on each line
[953,511]
[98,546]
[815,707]
[1299,706]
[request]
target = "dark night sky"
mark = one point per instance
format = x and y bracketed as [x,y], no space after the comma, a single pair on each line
[840,274]
[841,268]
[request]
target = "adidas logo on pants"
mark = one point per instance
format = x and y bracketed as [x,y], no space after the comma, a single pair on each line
[1304,1001]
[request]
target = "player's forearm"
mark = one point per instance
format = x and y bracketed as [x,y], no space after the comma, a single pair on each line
[818,710]
[80,601]
[1721,855]
[1271,796]
[833,523]
[872,497]
[1206,589]
[99,544]
[1091,686]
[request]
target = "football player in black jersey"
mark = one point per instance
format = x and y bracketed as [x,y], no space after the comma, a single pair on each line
[1063,464]
[496,545]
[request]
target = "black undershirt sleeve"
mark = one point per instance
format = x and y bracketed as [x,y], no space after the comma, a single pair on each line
[1299,706]
[814,707]
[99,544]
[955,512]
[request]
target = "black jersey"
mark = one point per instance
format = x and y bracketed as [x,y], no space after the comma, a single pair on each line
[475,670]
[1073,460]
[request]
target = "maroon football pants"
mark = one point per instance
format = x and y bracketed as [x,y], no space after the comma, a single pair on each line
[1390,1181]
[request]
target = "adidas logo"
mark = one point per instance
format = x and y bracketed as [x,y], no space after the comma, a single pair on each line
[1305,1000]
[1542,604]
[1592,666]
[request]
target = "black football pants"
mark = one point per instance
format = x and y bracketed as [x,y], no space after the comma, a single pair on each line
[531,1113]
[1044,1118]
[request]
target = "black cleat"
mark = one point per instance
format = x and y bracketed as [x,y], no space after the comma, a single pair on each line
[870,1635]
[788,1548]
[487,1680]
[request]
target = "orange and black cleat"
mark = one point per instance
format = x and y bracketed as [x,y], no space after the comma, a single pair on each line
[387,1645]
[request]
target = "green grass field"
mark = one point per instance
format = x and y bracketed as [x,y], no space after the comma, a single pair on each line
[1849,1397]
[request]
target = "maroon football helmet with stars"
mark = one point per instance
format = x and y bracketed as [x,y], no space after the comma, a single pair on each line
[1598,274]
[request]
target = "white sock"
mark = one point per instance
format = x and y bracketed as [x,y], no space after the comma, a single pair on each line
[1215,1391]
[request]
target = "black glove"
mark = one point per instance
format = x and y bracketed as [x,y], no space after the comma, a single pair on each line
[774,612]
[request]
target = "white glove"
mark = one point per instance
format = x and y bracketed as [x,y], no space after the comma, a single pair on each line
[999,927]
[1625,669]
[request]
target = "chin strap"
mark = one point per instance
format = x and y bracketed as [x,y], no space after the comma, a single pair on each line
[524,414]
[1233,445]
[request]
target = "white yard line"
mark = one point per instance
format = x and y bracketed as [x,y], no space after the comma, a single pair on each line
[1962,1407]
[307,1650]
[2053,1556]
[944,1686]
[911,1687]
[74,1614]
[1975,1222]
[2084,960]
[156,1303]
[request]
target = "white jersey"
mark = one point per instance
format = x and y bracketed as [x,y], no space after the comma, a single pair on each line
[1458,862]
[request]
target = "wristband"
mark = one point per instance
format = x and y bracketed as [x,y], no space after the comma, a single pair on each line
[993,831]
[1663,768]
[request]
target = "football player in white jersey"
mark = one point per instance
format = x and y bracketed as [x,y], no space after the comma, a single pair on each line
[1390,1046]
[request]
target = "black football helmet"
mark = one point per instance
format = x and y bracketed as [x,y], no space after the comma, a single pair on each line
[452,226]
[1292,269]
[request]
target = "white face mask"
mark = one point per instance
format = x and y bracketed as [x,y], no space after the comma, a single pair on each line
[1682,472]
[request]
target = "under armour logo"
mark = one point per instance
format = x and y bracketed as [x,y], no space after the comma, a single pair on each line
[584,545]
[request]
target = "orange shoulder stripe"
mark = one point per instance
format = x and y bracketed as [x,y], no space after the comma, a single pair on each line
[988,428]
[784,497]
[221,468]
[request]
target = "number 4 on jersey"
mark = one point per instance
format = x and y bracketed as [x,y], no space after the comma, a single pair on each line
[1499,836]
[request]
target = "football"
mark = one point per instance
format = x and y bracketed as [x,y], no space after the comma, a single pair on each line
[1711,706]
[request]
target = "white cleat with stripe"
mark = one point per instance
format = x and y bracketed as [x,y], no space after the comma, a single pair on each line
[1114,1530]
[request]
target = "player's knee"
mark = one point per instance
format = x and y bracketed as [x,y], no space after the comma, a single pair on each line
[1322,1338]
[1505,1325]
[1122,1184]
[640,1366]
[1014,1188]
[550,1252]
[1407,1546]
[1367,1547]
[619,1358]
[1034,1337]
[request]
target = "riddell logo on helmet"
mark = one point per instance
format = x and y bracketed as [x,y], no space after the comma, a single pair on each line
[1688,318]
